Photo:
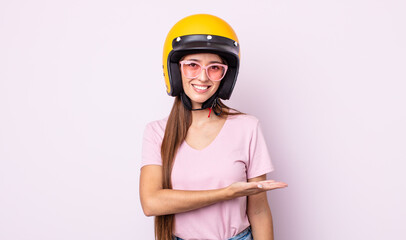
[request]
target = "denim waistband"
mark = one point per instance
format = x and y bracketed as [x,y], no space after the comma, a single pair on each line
[244,235]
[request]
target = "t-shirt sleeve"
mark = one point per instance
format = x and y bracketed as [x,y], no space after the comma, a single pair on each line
[259,160]
[151,146]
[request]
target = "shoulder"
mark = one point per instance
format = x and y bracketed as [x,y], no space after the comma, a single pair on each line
[244,125]
[245,120]
[156,128]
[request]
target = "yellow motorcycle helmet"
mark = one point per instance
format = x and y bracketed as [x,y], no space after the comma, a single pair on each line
[197,34]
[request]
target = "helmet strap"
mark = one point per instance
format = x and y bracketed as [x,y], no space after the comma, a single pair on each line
[209,103]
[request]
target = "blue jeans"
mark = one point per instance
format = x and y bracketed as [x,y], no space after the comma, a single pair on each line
[244,235]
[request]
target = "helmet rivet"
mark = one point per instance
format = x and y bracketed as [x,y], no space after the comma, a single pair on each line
[178,39]
[236,44]
[209,37]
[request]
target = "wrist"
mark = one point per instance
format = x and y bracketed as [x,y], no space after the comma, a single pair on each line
[227,193]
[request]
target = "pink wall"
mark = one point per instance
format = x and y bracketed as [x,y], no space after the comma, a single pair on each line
[80,79]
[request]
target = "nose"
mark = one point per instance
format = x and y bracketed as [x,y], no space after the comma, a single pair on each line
[203,75]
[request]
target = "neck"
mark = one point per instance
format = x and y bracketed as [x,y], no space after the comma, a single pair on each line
[202,116]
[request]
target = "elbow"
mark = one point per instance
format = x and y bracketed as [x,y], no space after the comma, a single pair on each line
[148,210]
[148,213]
[152,205]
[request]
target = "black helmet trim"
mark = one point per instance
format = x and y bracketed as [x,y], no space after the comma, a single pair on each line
[206,42]
[200,43]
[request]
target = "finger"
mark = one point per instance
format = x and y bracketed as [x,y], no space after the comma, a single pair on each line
[266,181]
[274,185]
[267,185]
[261,184]
[272,182]
[280,186]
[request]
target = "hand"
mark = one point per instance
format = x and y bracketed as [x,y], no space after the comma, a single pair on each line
[240,189]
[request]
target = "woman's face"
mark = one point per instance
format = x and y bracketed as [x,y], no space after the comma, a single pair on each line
[201,88]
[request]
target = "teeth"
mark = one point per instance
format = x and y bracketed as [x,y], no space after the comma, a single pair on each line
[200,87]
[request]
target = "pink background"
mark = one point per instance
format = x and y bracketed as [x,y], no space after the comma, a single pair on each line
[80,79]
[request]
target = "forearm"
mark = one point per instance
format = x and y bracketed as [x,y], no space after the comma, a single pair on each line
[261,225]
[259,214]
[157,201]
[169,201]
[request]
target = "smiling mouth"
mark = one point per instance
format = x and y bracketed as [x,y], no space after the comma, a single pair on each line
[201,87]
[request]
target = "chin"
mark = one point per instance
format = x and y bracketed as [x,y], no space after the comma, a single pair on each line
[199,100]
[198,97]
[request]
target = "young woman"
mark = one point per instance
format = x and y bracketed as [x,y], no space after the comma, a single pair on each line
[204,167]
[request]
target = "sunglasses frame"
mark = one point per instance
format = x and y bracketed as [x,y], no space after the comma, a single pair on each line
[204,68]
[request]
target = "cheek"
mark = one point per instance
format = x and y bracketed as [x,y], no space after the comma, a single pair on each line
[184,81]
[216,85]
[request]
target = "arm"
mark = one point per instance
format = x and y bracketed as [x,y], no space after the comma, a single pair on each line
[157,201]
[259,214]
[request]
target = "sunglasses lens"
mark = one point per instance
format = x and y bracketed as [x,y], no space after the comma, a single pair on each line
[216,72]
[191,70]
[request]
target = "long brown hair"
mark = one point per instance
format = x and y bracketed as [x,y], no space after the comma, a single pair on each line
[179,121]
